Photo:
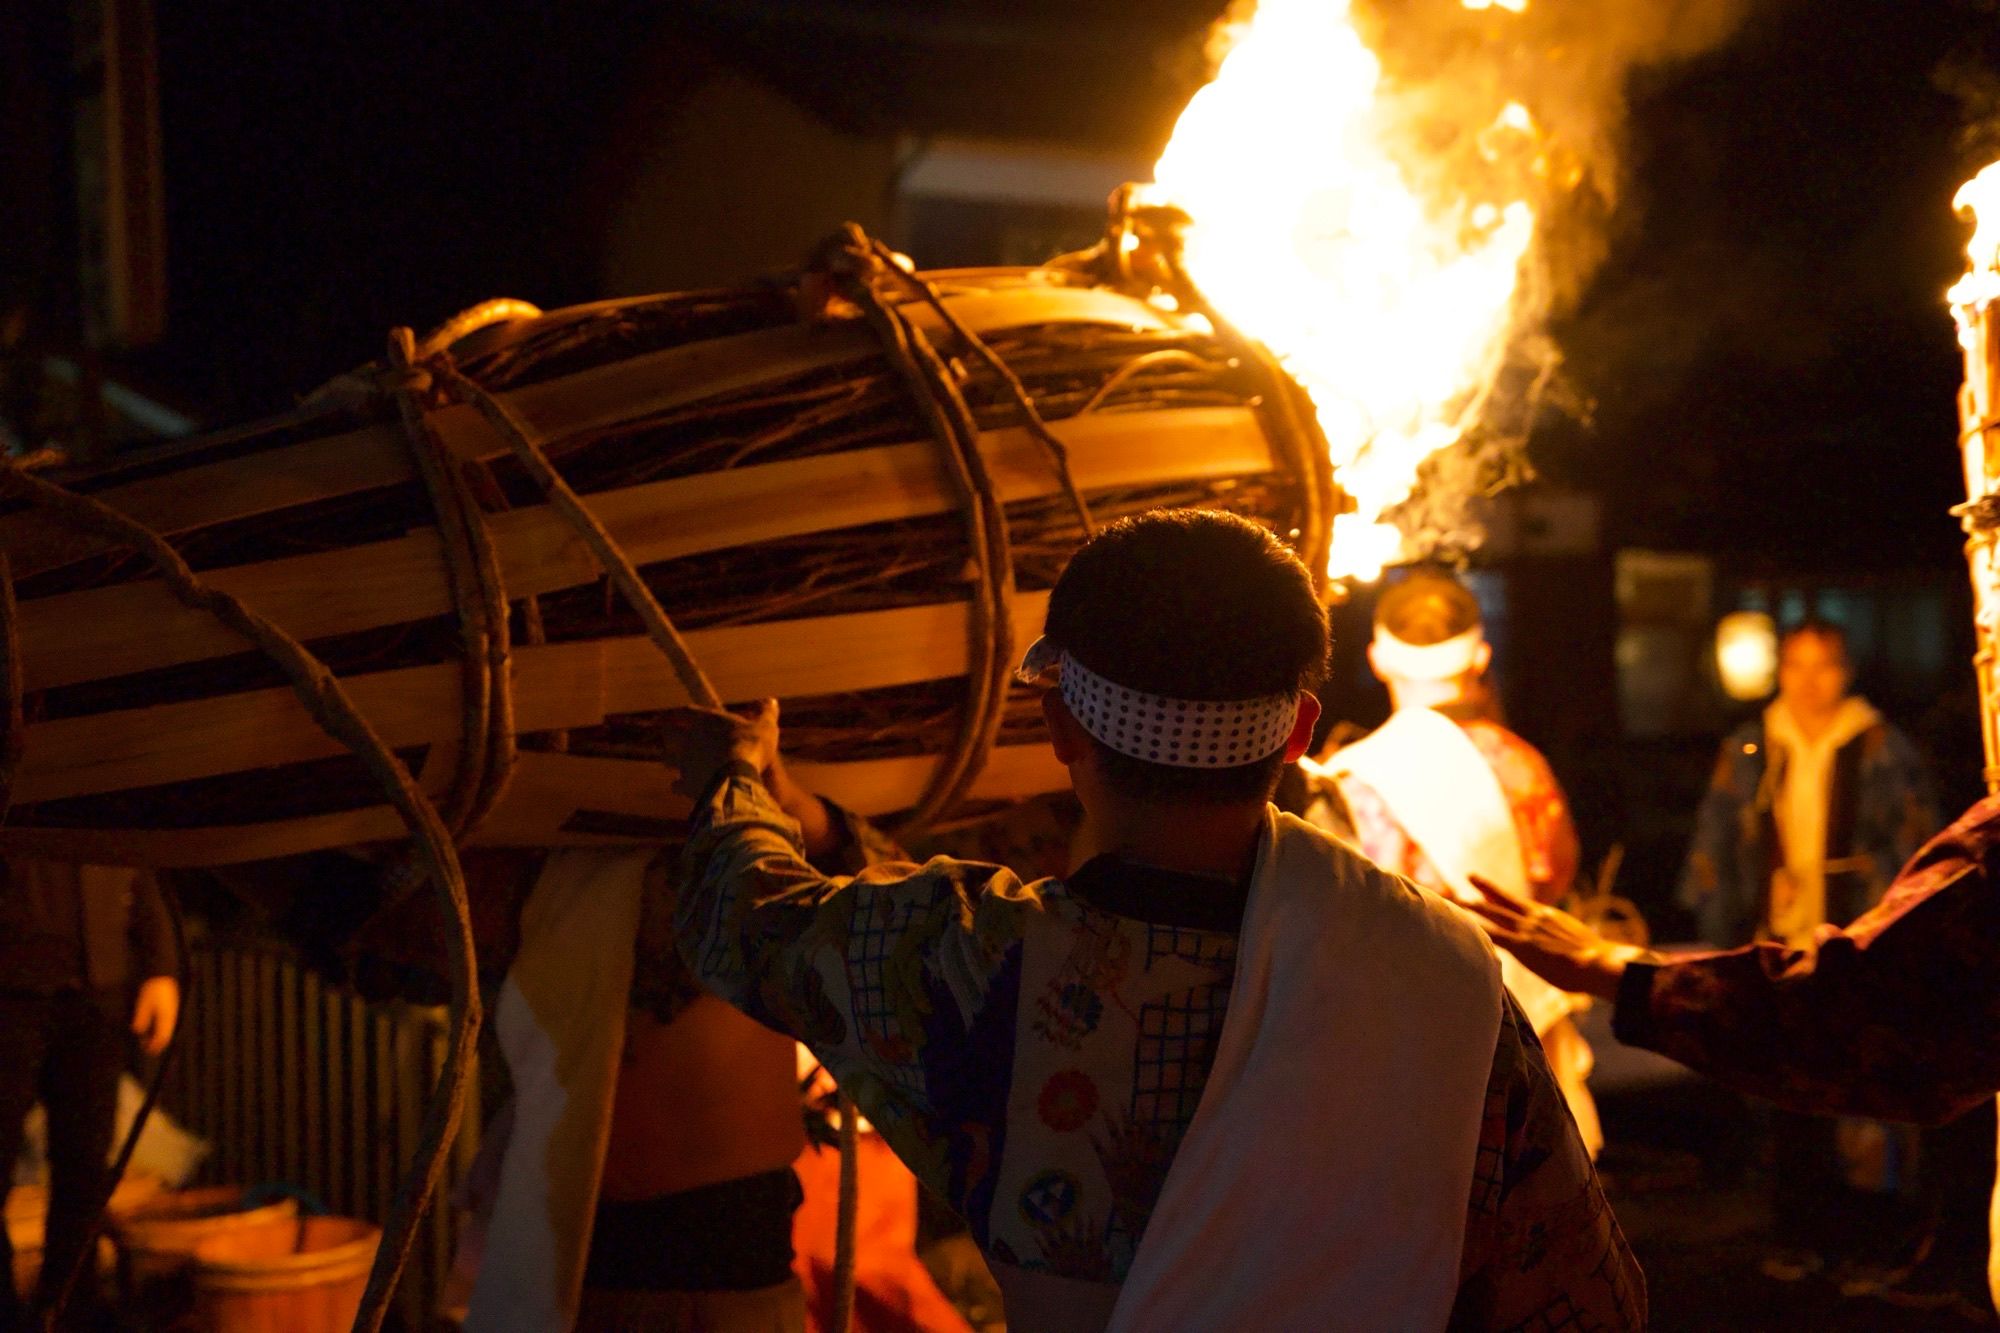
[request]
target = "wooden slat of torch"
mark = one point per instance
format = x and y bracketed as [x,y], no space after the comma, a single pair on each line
[590,400]
[539,802]
[556,687]
[89,635]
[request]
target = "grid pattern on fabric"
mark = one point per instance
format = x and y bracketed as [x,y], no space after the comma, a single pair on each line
[1180,733]
[875,934]
[1178,1033]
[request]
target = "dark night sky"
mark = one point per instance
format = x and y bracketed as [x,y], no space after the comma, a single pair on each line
[1769,350]
[1766,346]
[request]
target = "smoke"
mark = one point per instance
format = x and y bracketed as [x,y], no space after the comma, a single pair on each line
[1573,65]
[1970,75]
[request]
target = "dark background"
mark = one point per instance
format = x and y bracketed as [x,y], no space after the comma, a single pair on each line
[1762,367]
[1762,370]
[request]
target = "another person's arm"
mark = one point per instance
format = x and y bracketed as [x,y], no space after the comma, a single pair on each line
[157,1007]
[1897,1016]
[1542,1248]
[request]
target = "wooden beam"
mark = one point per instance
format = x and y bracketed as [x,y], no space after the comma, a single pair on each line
[883,786]
[590,400]
[541,800]
[556,686]
[104,632]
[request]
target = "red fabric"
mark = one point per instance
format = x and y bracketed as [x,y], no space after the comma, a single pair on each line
[894,1292]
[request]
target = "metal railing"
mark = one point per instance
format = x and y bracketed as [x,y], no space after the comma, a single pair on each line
[297,1081]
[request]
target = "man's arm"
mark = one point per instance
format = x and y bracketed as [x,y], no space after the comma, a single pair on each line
[878,974]
[1542,1248]
[1896,1017]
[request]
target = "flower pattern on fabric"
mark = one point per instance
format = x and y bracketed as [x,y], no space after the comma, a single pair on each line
[1068,1101]
[1053,1139]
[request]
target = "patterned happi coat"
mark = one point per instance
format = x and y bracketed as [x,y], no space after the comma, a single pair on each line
[1035,1051]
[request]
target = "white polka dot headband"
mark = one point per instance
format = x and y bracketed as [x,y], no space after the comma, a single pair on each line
[1180,733]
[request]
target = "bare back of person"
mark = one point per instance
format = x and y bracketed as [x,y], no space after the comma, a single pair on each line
[706,1097]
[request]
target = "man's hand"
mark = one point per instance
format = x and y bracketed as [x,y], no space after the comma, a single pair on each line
[1553,944]
[707,740]
[156,1013]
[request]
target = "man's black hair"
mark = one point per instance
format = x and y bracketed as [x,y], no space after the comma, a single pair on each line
[1192,604]
[1819,627]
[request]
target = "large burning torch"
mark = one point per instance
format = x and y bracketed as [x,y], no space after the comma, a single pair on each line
[1975,302]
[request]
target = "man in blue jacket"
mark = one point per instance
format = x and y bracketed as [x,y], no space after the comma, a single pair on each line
[1812,808]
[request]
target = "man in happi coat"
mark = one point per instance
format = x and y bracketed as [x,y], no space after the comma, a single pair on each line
[1441,792]
[1226,1073]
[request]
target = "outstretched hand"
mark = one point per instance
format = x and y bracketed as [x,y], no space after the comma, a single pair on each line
[707,740]
[704,741]
[1554,945]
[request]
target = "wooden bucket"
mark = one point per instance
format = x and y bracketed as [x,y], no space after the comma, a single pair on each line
[158,1238]
[27,1210]
[777,483]
[301,1276]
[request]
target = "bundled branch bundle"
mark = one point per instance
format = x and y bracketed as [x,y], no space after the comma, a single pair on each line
[1975,303]
[851,491]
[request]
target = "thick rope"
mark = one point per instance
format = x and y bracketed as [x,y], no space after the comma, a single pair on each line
[616,565]
[847,1208]
[1057,451]
[465,323]
[934,391]
[329,704]
[13,713]
[486,755]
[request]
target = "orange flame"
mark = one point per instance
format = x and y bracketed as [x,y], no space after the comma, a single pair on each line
[1307,234]
[1980,199]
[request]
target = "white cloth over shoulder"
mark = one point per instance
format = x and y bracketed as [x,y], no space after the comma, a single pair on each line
[1450,803]
[561,1024]
[1324,1182]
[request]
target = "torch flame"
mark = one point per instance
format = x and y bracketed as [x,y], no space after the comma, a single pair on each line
[1306,233]
[1980,198]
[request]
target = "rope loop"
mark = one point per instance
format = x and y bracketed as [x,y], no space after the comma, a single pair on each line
[487,747]
[854,267]
[886,262]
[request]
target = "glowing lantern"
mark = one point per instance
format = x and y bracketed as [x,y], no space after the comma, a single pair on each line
[1746,655]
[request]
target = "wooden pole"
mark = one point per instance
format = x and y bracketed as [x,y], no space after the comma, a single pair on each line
[1979,441]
